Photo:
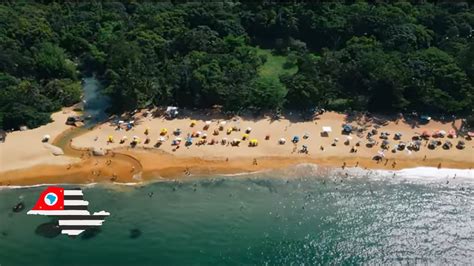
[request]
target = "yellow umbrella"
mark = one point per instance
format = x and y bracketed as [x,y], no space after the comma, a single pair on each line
[245,136]
[163,131]
[193,123]
[110,139]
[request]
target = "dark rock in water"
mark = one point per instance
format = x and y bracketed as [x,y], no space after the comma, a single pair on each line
[90,233]
[135,233]
[4,233]
[19,207]
[48,230]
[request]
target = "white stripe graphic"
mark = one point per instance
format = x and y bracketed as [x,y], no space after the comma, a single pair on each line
[76,203]
[73,193]
[71,232]
[65,212]
[81,222]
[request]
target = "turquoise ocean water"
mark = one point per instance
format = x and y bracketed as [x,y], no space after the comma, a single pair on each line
[255,221]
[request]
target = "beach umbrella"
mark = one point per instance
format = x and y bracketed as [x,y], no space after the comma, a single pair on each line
[336,139]
[163,131]
[245,136]
[248,130]
[470,134]
[198,133]
[398,135]
[306,135]
[442,133]
[347,128]
[425,133]
[282,141]
[223,123]
[208,122]
[162,139]
[110,138]
[295,139]
[204,135]
[46,138]
[193,123]
[452,133]
[348,138]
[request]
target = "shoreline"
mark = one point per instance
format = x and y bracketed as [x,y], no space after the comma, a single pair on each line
[420,173]
[145,162]
[205,167]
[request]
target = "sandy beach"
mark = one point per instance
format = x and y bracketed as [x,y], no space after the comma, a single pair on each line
[26,161]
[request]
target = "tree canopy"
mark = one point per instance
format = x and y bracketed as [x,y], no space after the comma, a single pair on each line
[382,56]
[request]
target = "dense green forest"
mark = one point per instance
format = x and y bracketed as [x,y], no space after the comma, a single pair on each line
[341,55]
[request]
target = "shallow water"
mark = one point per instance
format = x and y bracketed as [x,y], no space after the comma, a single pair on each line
[244,220]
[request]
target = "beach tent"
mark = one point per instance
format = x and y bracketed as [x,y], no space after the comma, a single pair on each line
[282,141]
[326,131]
[171,111]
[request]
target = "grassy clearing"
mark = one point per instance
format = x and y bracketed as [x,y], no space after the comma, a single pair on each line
[273,67]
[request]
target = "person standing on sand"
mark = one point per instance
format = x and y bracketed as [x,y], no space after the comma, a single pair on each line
[394,164]
[424,158]
[343,165]
[255,162]
[439,166]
